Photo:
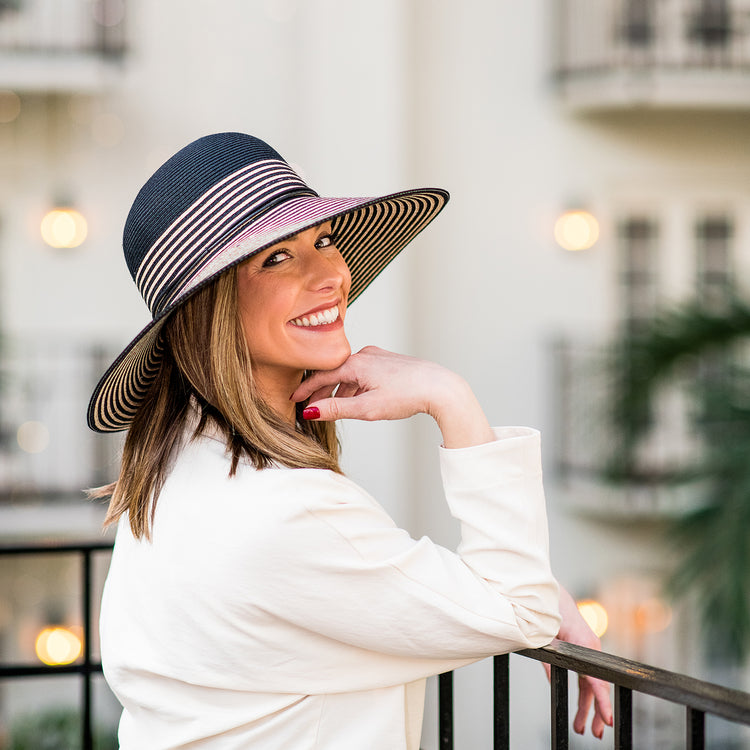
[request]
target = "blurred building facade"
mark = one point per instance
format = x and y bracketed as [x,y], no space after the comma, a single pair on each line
[635,111]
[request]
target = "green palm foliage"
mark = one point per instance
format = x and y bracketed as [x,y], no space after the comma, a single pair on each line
[712,542]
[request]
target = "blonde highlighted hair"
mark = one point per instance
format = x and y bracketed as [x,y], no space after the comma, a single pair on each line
[207,364]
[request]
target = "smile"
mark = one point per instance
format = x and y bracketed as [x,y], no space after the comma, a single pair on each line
[322,318]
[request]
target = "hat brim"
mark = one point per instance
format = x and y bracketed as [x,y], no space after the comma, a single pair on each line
[370,233]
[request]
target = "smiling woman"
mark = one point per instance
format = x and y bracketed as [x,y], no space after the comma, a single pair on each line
[258,598]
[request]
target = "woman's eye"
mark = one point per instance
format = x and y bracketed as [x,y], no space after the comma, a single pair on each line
[275,258]
[327,240]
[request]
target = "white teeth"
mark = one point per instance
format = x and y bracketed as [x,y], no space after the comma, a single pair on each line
[318,319]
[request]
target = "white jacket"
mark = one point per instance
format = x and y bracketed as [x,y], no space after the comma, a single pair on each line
[282,609]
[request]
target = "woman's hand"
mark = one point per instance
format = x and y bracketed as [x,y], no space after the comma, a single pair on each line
[574,629]
[374,384]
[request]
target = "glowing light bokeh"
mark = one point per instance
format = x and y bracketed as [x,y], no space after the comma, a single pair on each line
[653,615]
[58,646]
[576,230]
[595,615]
[32,437]
[64,228]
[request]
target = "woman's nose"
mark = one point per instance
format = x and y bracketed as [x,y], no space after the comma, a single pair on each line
[327,272]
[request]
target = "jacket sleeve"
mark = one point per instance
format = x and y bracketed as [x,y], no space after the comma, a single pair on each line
[345,581]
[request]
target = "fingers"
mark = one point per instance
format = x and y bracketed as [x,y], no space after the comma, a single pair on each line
[585,698]
[602,704]
[597,691]
[347,390]
[591,690]
[322,384]
[364,406]
[320,393]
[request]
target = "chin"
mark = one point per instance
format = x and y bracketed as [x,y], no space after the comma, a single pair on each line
[331,362]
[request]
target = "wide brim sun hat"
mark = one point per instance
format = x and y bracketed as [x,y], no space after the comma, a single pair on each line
[214,204]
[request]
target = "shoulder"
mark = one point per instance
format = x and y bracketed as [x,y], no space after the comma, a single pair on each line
[200,483]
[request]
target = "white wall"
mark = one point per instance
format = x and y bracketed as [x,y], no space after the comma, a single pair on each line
[367,98]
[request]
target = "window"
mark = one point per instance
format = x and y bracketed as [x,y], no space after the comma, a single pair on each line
[710,23]
[637,22]
[637,240]
[713,238]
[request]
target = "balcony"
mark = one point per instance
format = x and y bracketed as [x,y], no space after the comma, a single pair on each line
[47,453]
[60,46]
[587,442]
[614,55]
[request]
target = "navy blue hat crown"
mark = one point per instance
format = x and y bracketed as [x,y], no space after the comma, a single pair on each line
[180,181]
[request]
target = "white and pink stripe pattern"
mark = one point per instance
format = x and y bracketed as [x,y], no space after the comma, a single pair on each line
[189,241]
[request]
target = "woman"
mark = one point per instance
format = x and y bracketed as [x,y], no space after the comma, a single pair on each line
[257,598]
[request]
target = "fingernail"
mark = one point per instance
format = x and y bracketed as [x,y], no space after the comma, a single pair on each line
[311,412]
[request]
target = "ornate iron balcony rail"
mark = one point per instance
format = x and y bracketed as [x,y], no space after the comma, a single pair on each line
[698,697]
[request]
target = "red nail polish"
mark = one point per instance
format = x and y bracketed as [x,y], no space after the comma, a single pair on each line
[311,412]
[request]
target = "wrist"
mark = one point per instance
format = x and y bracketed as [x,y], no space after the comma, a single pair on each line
[459,415]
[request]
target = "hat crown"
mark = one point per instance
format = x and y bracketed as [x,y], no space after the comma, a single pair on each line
[181,181]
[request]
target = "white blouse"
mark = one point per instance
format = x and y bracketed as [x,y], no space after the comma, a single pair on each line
[283,609]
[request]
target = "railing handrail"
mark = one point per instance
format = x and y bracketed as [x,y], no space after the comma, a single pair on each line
[697,696]
[51,546]
[643,678]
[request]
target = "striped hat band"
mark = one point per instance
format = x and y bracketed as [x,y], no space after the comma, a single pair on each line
[216,203]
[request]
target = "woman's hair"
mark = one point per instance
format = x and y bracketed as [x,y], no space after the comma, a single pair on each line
[206,368]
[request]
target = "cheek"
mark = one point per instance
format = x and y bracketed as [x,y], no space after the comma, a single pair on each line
[346,283]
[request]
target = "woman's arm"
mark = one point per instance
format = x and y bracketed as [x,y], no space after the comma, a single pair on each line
[375,384]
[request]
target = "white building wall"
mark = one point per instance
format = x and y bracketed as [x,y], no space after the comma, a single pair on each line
[367,98]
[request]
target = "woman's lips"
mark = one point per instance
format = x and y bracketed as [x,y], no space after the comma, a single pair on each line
[325,317]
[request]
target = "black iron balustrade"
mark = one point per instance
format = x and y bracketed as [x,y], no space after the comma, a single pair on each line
[86,667]
[698,697]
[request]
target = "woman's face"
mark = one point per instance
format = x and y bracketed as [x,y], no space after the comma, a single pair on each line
[292,302]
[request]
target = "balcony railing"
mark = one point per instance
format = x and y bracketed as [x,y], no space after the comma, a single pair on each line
[46,449]
[660,53]
[86,666]
[699,698]
[587,439]
[60,45]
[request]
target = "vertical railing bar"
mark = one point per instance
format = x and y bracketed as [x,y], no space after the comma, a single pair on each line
[87,737]
[559,707]
[695,735]
[445,710]
[623,718]
[501,702]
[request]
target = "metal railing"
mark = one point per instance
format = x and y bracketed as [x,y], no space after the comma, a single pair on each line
[63,27]
[86,667]
[46,449]
[594,36]
[698,697]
